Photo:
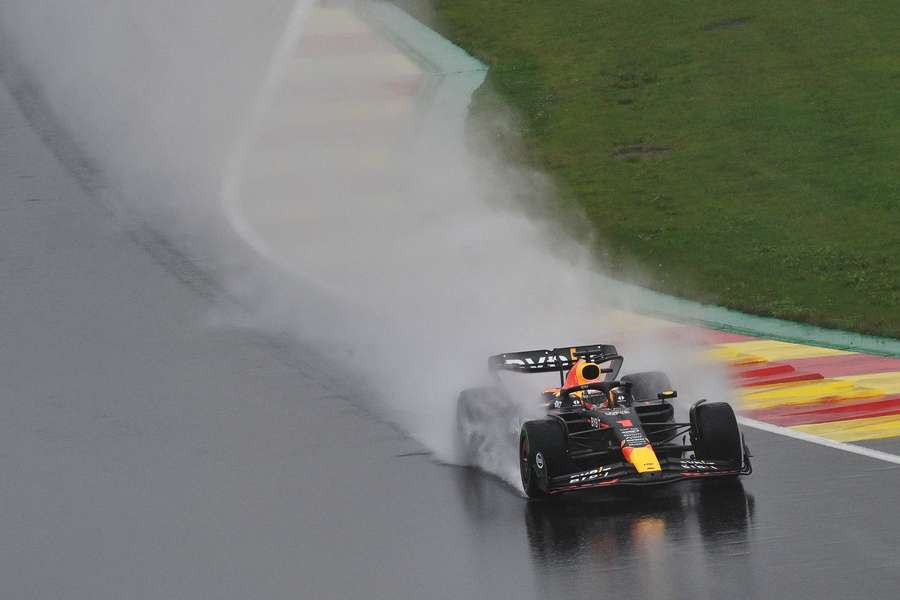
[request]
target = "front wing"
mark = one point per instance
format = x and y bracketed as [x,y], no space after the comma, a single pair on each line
[623,473]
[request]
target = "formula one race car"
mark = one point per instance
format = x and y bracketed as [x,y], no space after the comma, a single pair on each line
[602,431]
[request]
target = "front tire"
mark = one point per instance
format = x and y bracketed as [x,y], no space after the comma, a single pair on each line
[542,454]
[715,434]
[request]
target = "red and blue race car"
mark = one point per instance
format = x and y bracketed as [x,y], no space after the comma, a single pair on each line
[600,430]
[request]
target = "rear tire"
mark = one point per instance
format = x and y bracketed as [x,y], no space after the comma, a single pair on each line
[715,434]
[542,454]
[645,386]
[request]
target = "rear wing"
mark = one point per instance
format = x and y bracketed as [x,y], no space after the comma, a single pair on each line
[556,359]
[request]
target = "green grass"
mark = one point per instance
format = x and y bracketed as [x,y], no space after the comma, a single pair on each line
[745,154]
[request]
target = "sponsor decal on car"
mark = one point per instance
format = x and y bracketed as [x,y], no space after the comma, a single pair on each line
[542,360]
[634,437]
[617,412]
[592,475]
[698,465]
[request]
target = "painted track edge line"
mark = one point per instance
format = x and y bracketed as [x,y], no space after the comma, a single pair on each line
[814,439]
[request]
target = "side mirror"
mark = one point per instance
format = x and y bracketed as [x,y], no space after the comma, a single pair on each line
[667,395]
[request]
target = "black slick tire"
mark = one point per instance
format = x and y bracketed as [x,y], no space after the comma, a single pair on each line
[646,385]
[542,454]
[715,434]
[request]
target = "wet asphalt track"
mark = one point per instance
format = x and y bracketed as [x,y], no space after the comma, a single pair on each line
[144,455]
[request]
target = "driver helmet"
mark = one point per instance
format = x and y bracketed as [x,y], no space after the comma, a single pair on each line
[583,372]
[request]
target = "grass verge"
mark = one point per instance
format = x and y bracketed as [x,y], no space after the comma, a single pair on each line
[746,155]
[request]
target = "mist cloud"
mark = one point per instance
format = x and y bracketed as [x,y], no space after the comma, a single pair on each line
[402,253]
